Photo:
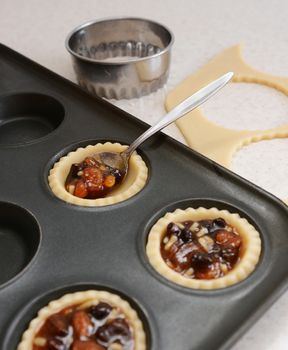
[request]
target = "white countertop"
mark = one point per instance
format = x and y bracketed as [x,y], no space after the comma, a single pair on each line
[202,28]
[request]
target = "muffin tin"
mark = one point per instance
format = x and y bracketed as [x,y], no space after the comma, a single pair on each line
[49,247]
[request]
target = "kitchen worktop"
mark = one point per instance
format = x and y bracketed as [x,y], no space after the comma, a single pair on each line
[202,29]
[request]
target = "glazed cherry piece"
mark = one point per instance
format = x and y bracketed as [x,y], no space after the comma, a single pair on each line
[80,189]
[205,249]
[92,179]
[82,324]
[58,325]
[228,239]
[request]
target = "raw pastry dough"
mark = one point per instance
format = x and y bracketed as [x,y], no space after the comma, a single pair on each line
[134,181]
[90,297]
[208,138]
[251,247]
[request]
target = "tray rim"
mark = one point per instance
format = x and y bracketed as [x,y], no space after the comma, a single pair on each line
[281,287]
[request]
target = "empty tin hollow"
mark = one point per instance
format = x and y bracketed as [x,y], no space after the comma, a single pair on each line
[19,240]
[26,117]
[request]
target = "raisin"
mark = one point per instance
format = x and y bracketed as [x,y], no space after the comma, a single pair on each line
[173,229]
[100,311]
[86,345]
[118,329]
[219,222]
[81,324]
[117,174]
[186,235]
[201,261]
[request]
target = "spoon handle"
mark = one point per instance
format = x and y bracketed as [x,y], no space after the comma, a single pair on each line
[184,107]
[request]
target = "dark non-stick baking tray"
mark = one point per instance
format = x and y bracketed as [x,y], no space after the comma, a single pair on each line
[42,117]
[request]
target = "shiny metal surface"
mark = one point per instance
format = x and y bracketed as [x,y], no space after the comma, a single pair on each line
[120,161]
[183,108]
[121,57]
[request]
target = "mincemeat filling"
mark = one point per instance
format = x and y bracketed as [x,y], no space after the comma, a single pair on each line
[92,179]
[205,249]
[97,327]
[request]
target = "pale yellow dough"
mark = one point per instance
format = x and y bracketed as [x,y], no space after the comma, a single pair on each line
[87,298]
[250,252]
[132,184]
[208,138]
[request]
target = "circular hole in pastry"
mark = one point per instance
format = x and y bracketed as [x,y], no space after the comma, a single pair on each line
[96,318]
[203,248]
[27,117]
[247,106]
[19,240]
[270,167]
[133,183]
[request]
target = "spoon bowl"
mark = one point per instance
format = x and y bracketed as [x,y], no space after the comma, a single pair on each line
[115,160]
